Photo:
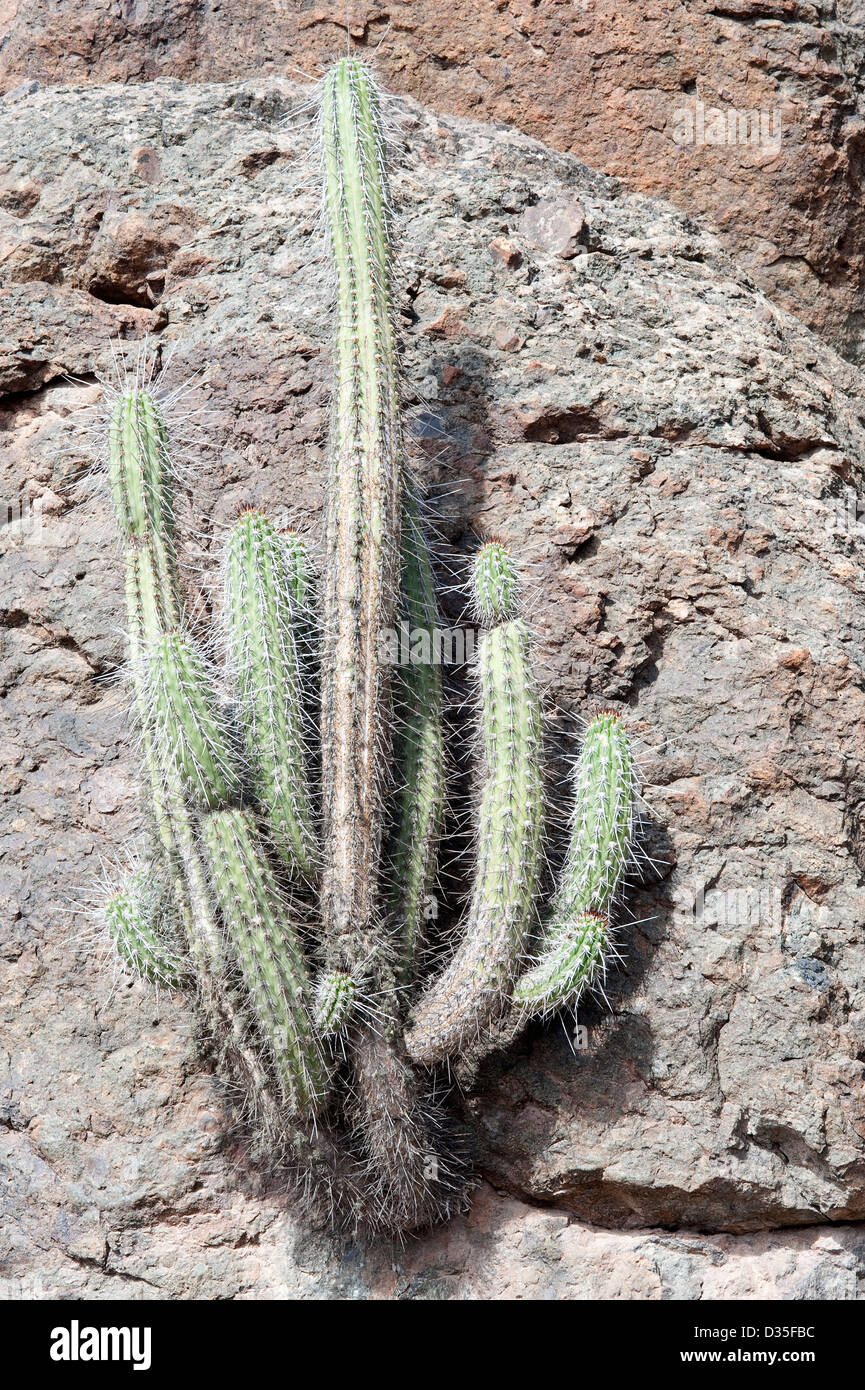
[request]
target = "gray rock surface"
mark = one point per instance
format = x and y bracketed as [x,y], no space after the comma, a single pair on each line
[675,463]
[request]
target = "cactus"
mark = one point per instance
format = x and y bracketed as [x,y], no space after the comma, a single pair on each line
[418,751]
[572,958]
[263,579]
[335,1000]
[363,521]
[190,733]
[137,925]
[290,1012]
[473,990]
[575,938]
[269,955]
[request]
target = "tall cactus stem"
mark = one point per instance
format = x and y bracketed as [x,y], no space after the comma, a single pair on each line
[261,617]
[363,522]
[190,731]
[473,990]
[140,475]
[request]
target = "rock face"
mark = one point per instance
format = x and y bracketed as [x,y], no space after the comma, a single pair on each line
[674,462]
[749,112]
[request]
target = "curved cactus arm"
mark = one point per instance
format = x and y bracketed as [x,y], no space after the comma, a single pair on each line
[269,955]
[571,954]
[470,994]
[141,931]
[261,615]
[572,960]
[418,751]
[360,591]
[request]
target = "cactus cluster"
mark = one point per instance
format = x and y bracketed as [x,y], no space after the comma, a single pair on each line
[298,876]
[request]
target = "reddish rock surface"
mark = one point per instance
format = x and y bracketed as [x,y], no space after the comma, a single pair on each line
[619,85]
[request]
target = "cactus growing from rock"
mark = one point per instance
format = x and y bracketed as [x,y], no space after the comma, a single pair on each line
[311,1020]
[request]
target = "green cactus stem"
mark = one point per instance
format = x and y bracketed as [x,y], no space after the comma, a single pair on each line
[600,848]
[190,731]
[418,751]
[572,960]
[469,996]
[140,475]
[269,955]
[261,617]
[140,929]
[335,1000]
[602,828]
[363,525]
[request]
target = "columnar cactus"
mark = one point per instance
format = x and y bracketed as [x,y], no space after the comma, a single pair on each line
[419,748]
[474,989]
[235,801]
[191,759]
[363,520]
[270,958]
[264,581]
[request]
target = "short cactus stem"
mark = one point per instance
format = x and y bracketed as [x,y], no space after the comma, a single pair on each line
[190,732]
[473,990]
[572,961]
[261,617]
[570,957]
[418,751]
[140,474]
[334,1006]
[138,925]
[269,955]
[601,841]
[362,575]
[495,586]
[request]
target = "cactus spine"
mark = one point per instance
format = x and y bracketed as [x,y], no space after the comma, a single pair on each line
[472,991]
[262,578]
[363,523]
